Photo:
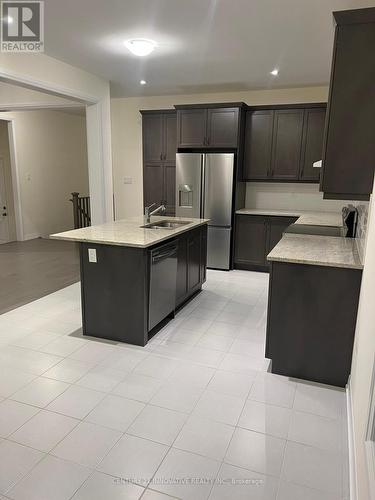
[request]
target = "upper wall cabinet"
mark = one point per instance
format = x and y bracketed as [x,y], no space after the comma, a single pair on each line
[159,136]
[159,130]
[208,126]
[349,146]
[281,144]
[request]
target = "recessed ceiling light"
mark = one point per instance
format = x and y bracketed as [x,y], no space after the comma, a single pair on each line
[143,82]
[140,46]
[275,72]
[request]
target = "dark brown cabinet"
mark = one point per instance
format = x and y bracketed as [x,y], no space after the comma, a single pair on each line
[287,138]
[258,140]
[305,338]
[159,158]
[250,240]
[349,145]
[312,143]
[282,143]
[208,127]
[255,237]
[191,263]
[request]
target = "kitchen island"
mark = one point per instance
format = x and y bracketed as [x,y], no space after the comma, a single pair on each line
[135,274]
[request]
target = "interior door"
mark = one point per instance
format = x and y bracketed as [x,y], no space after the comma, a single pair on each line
[218,188]
[4,221]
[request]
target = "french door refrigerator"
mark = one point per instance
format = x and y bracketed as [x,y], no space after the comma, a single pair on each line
[204,189]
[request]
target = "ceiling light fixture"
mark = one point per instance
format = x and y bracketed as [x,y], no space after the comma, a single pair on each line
[275,72]
[140,46]
[143,82]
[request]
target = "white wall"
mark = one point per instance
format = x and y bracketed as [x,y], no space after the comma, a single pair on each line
[127,132]
[44,73]
[12,97]
[363,358]
[51,154]
[289,196]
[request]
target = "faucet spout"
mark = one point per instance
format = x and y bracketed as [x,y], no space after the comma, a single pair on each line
[148,213]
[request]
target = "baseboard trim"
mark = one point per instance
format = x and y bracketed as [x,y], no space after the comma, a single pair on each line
[352,467]
[32,236]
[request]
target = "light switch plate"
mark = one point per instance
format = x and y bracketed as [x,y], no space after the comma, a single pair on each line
[128,180]
[92,255]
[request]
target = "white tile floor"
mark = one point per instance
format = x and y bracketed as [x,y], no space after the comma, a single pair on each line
[195,412]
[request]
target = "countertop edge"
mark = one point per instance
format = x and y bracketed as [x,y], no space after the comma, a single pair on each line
[182,230]
[355,267]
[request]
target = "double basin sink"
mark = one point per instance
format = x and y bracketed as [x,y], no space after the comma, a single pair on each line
[165,224]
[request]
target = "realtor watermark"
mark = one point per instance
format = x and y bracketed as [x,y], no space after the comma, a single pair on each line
[22,26]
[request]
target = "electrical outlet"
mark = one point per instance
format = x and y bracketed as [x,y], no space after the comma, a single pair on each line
[92,255]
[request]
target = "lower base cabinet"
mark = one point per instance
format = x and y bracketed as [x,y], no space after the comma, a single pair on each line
[191,263]
[116,288]
[255,237]
[312,312]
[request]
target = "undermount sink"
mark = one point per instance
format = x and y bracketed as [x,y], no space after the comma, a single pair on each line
[165,224]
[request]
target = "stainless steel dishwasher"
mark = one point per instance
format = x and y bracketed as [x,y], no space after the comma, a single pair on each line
[163,278]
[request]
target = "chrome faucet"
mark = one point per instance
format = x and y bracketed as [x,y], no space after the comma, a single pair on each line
[148,213]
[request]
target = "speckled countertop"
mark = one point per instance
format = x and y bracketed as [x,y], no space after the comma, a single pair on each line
[304,216]
[128,232]
[317,250]
[309,249]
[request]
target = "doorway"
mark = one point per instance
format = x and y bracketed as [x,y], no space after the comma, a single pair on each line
[4,223]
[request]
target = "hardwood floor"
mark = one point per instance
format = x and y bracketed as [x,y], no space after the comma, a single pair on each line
[31,269]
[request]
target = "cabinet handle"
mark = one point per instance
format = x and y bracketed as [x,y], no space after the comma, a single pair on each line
[161,156]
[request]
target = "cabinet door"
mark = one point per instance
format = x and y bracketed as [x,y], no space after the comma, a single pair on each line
[153,147]
[191,128]
[287,139]
[203,253]
[276,227]
[170,137]
[222,127]
[182,278]
[312,143]
[194,260]
[250,240]
[153,184]
[169,195]
[348,159]
[258,144]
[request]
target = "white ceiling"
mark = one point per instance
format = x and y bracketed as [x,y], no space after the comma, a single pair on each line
[204,45]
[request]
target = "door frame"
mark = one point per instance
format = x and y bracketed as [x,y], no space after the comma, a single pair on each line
[2,160]
[98,126]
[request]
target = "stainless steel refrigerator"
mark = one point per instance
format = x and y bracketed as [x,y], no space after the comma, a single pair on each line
[204,188]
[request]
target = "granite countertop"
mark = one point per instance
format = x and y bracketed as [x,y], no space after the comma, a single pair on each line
[304,216]
[328,251]
[128,232]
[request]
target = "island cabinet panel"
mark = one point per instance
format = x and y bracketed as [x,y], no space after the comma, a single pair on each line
[258,140]
[349,149]
[115,293]
[287,141]
[191,263]
[159,158]
[312,313]
[255,237]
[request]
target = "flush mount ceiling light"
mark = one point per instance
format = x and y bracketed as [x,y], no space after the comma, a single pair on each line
[140,46]
[143,82]
[274,72]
